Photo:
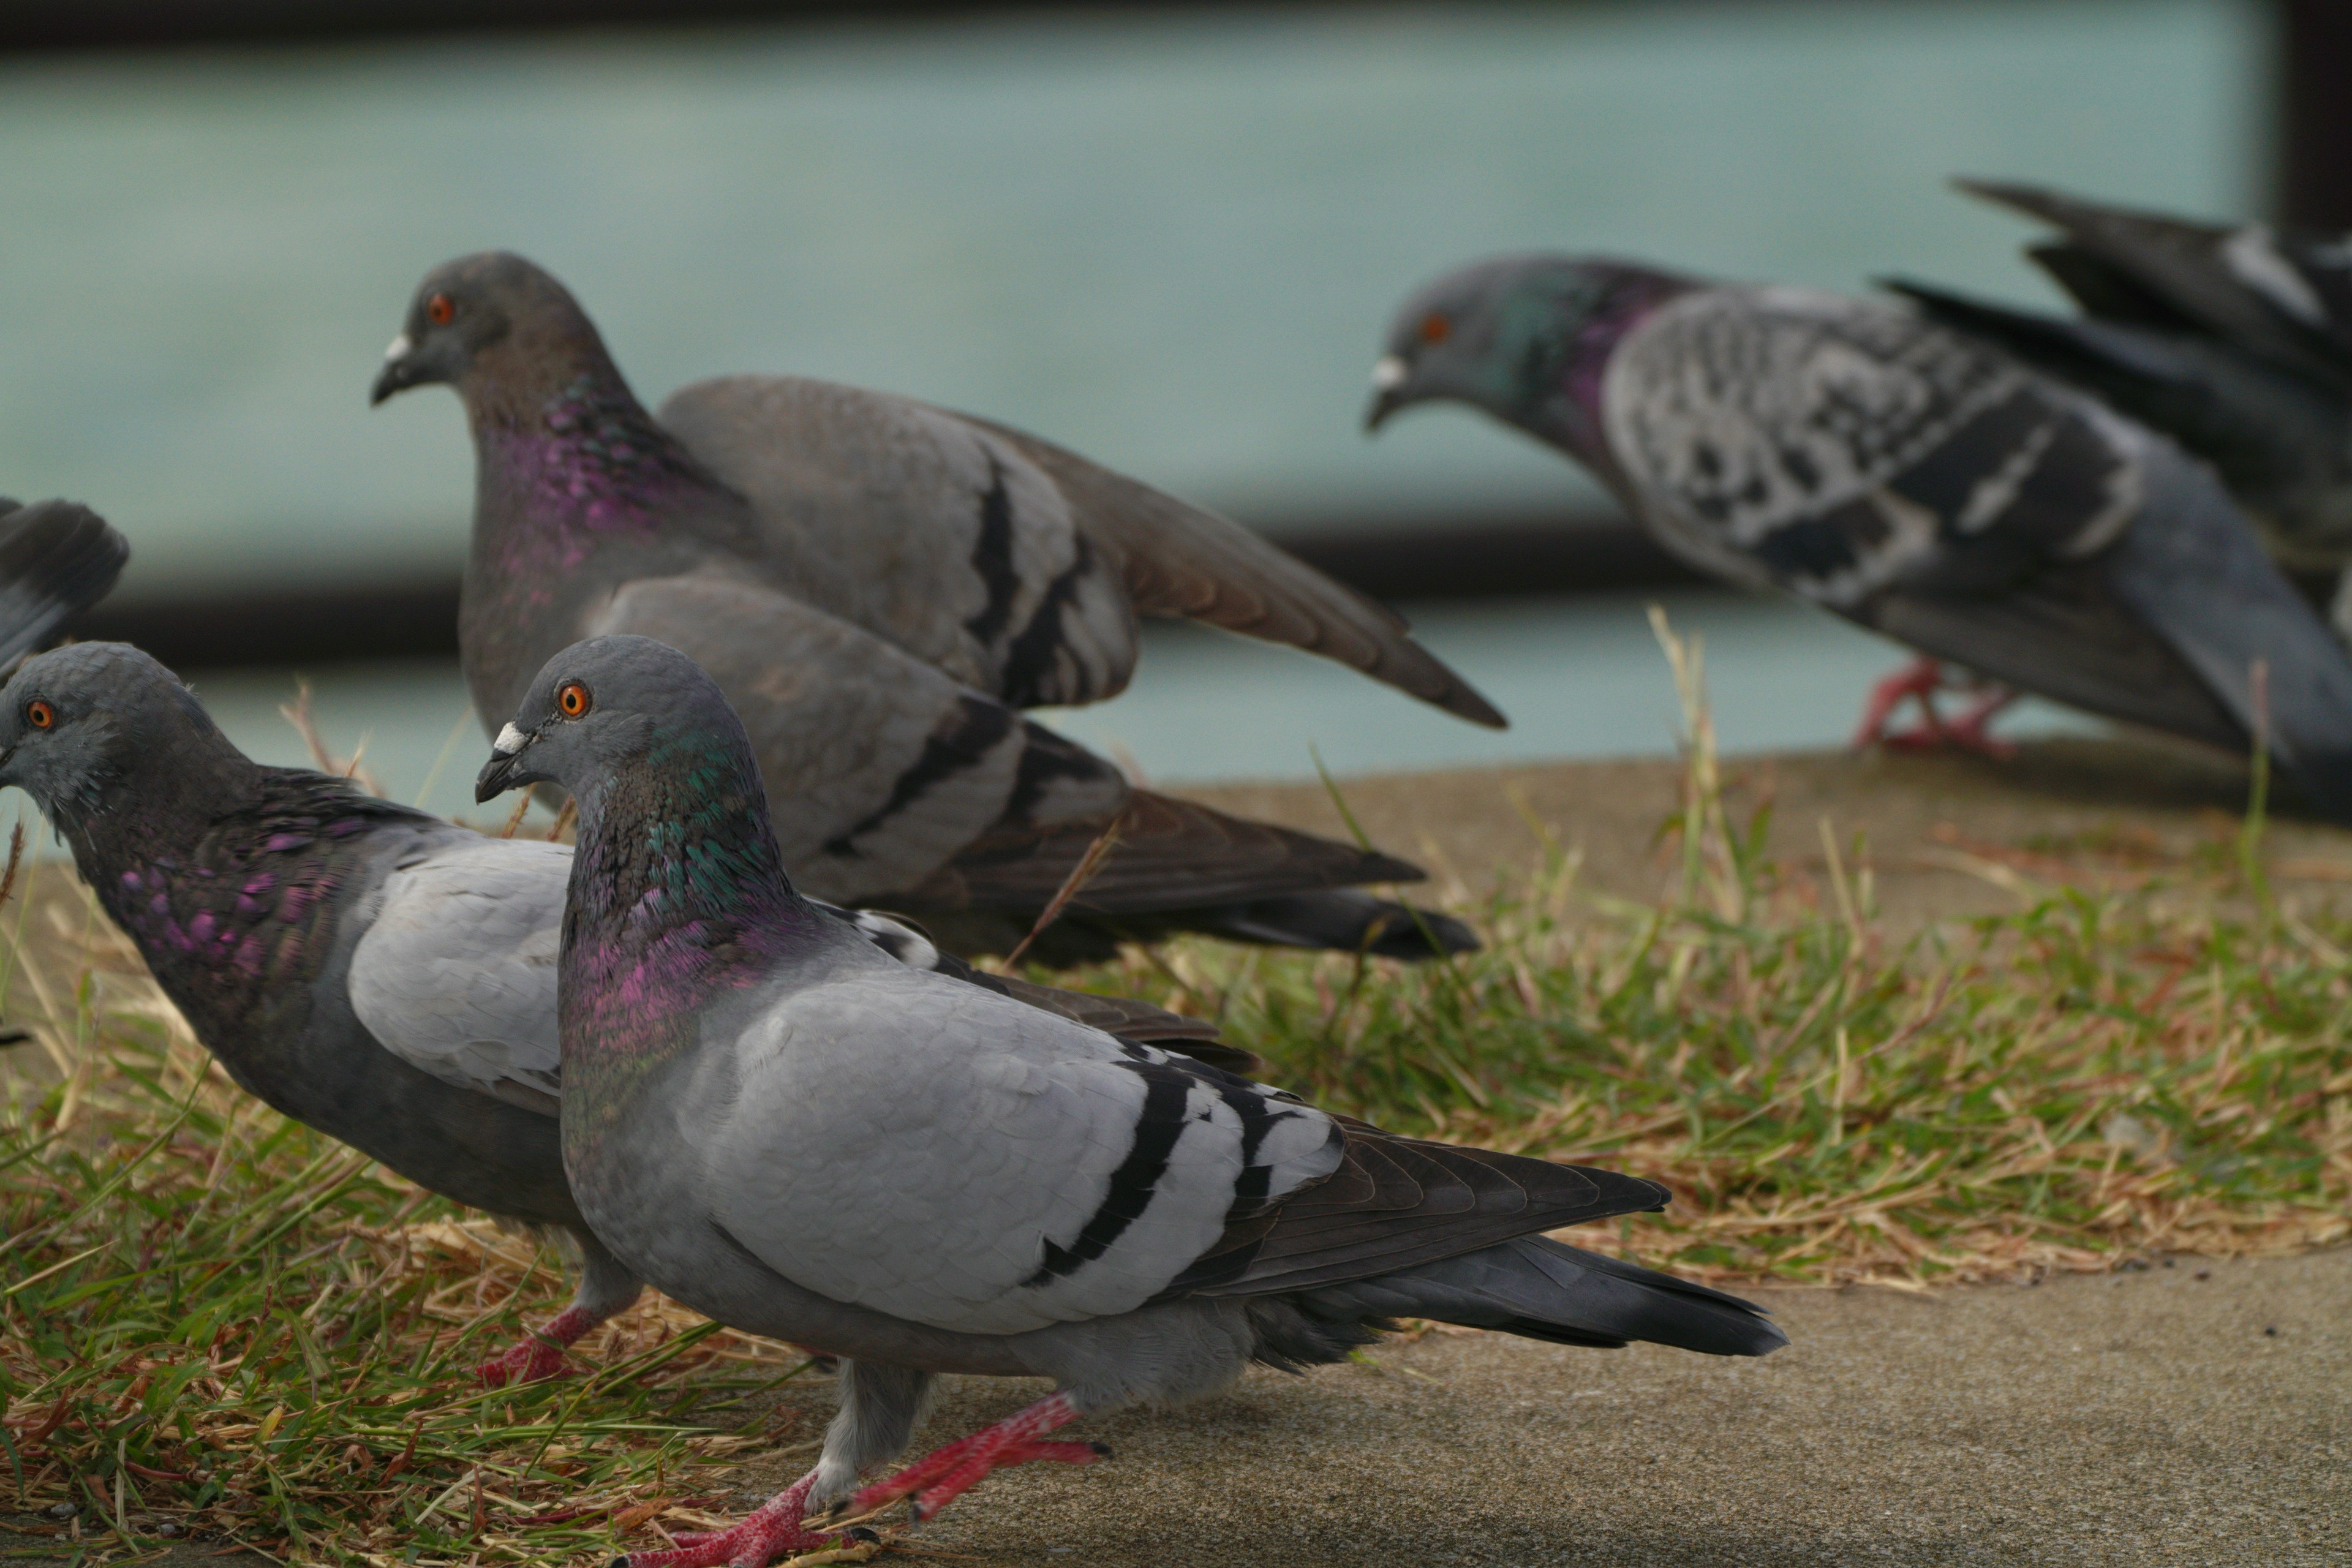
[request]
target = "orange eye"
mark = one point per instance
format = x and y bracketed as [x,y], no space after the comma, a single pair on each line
[440,310]
[1435,328]
[572,700]
[39,714]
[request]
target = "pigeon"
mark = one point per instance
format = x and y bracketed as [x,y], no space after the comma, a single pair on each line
[57,559]
[881,586]
[790,1133]
[1912,479]
[2235,342]
[376,973]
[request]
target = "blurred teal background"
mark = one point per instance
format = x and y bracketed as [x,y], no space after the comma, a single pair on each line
[1169,240]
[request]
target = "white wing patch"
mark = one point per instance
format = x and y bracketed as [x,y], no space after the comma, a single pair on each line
[456,976]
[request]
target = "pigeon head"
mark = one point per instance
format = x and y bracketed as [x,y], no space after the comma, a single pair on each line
[1525,338]
[82,725]
[490,320]
[615,706]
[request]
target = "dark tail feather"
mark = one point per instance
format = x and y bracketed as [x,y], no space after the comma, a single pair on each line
[57,559]
[1342,920]
[2191,567]
[1547,1290]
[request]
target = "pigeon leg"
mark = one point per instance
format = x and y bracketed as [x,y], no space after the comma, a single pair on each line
[940,1478]
[606,1287]
[539,1353]
[774,1527]
[1920,680]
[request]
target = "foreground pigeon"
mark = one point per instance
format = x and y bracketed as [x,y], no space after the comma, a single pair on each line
[1907,476]
[2236,342]
[880,586]
[57,559]
[388,977]
[791,1134]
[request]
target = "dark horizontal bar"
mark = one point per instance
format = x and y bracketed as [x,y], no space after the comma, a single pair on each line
[419,618]
[28,25]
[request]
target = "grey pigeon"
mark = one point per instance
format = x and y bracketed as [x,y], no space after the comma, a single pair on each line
[57,559]
[794,1135]
[388,977]
[1905,475]
[880,587]
[2235,342]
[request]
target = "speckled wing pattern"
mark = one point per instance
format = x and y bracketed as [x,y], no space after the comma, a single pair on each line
[1033,1171]
[853,734]
[1839,447]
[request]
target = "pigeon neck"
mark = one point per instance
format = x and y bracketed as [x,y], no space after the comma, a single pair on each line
[678,893]
[581,462]
[227,887]
[1565,407]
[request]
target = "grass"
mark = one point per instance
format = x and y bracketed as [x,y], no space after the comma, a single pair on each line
[214,1322]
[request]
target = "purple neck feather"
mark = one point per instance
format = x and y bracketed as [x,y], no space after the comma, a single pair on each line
[679,894]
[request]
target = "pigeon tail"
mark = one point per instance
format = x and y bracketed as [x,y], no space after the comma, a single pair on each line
[1342,920]
[1543,1290]
[2197,574]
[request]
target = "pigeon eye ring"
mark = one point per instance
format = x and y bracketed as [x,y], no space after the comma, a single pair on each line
[572,700]
[39,714]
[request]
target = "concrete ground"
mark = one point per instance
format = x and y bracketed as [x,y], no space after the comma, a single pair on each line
[2200,1413]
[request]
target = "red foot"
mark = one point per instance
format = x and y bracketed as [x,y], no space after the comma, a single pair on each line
[940,1477]
[774,1528]
[1919,681]
[539,1354]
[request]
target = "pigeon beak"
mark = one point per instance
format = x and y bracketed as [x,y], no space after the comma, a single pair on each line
[403,367]
[1389,379]
[497,776]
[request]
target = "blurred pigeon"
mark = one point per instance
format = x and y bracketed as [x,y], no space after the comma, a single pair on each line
[880,586]
[57,559]
[2236,342]
[794,1135]
[1907,476]
[386,977]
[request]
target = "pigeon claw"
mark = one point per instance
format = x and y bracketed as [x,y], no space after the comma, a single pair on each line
[539,1354]
[762,1535]
[940,1477]
[1920,681]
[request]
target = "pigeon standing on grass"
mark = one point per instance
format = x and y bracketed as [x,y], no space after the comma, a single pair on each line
[386,977]
[2235,342]
[1907,476]
[880,587]
[791,1134]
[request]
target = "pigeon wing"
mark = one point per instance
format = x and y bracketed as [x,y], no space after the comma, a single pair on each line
[919,528]
[455,975]
[2287,296]
[1395,1204]
[879,768]
[1014,565]
[1839,447]
[57,559]
[953,1158]
[1180,561]
[1126,1017]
